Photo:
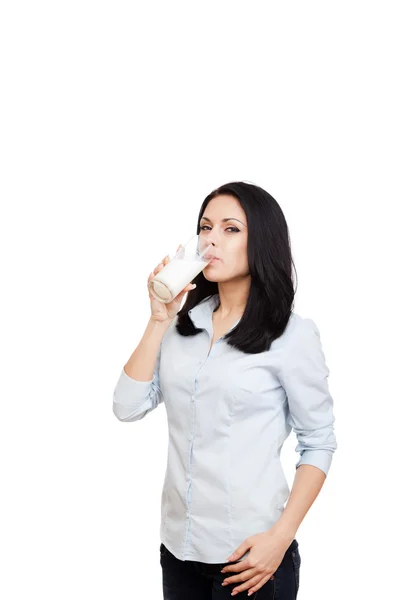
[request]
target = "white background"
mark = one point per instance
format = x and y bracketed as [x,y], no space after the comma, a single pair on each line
[117,119]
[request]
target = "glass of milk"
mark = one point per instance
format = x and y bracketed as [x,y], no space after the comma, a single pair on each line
[190,259]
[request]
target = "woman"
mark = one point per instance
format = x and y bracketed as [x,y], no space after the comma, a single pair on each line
[237,370]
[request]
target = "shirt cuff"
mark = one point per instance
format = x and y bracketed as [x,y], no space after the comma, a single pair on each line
[129,390]
[318,458]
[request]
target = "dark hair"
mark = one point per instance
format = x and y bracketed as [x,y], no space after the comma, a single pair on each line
[271,294]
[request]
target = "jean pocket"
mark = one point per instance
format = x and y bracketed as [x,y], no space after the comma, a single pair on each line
[296,560]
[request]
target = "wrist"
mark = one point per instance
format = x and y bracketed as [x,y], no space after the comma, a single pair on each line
[160,324]
[284,531]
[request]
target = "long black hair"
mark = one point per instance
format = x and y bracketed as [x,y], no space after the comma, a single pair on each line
[269,256]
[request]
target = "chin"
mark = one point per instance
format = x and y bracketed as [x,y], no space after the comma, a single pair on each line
[214,277]
[210,278]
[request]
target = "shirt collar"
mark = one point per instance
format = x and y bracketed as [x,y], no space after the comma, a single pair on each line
[201,314]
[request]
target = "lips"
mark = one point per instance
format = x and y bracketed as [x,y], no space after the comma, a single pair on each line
[211,257]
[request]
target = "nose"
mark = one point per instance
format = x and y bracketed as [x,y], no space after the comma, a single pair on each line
[212,243]
[208,239]
[205,236]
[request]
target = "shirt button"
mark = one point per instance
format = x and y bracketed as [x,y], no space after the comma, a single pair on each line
[192,397]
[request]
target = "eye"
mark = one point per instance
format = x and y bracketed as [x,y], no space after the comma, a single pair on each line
[235,229]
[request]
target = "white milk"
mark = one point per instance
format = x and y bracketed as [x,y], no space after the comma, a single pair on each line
[174,276]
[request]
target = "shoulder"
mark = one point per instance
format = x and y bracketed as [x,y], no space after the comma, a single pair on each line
[297,329]
[303,348]
[300,338]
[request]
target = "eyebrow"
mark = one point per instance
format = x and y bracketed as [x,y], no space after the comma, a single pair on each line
[222,220]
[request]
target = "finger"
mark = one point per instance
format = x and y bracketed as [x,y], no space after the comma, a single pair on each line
[260,584]
[178,297]
[248,584]
[243,576]
[158,267]
[186,289]
[241,565]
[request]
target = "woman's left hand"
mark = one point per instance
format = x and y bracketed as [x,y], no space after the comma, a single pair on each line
[266,554]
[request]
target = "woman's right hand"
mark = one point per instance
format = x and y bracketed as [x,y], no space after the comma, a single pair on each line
[160,311]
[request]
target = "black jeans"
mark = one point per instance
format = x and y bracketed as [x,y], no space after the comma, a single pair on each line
[193,580]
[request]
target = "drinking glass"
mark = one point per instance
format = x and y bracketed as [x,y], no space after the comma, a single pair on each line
[189,260]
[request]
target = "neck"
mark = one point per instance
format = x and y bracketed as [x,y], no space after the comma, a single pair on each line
[233,299]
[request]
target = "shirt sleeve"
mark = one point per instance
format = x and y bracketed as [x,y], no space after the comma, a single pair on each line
[304,376]
[133,399]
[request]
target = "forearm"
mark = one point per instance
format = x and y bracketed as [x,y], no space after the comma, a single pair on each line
[141,364]
[307,484]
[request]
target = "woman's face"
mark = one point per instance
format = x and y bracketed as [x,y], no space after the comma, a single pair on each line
[229,238]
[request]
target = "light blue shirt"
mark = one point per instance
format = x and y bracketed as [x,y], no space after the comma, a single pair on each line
[229,414]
